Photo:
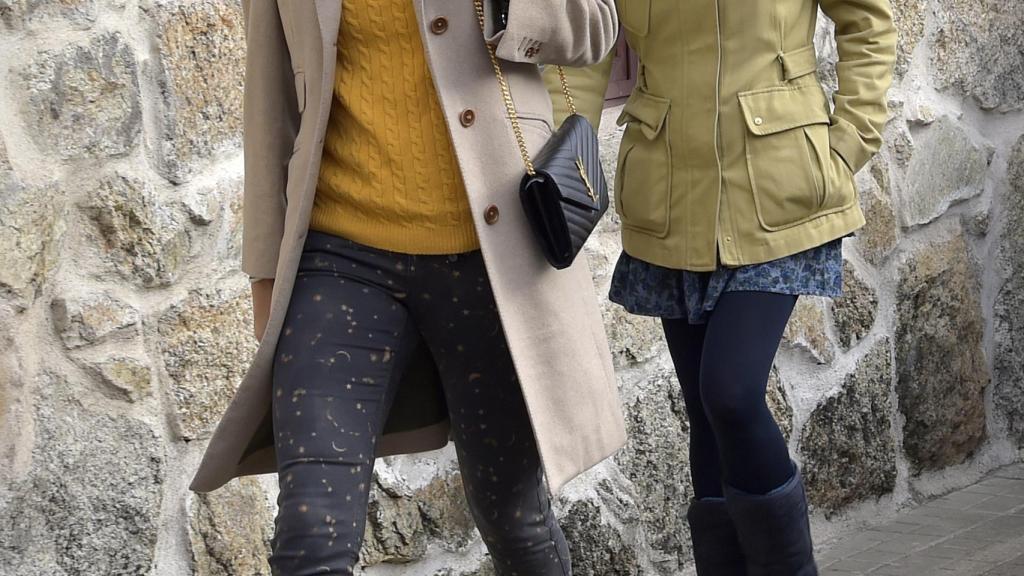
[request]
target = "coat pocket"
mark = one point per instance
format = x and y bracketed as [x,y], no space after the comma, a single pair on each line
[643,178]
[787,154]
[536,129]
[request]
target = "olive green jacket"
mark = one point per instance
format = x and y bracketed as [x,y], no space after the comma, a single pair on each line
[731,153]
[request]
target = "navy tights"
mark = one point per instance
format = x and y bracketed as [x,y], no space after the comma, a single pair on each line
[723,367]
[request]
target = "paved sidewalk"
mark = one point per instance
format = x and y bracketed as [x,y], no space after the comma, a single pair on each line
[973,532]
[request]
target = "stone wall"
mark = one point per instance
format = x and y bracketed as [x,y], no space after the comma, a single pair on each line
[124,321]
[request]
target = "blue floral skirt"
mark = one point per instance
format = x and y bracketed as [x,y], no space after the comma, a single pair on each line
[650,290]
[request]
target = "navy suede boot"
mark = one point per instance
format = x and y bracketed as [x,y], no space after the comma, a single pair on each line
[774,529]
[716,548]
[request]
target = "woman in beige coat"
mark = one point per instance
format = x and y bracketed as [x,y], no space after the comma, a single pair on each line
[399,297]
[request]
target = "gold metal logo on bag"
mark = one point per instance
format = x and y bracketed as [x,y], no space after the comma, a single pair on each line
[586,181]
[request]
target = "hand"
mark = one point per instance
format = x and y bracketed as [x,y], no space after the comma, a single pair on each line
[261,293]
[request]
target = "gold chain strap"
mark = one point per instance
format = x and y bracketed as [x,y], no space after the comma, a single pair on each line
[506,93]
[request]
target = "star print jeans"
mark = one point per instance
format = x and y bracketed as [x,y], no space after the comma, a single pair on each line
[355,316]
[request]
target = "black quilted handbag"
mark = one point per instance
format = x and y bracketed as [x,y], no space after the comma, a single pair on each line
[564,191]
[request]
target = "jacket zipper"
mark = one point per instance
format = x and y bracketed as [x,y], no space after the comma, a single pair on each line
[718,101]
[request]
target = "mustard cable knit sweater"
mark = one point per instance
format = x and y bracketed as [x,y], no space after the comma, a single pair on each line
[389,176]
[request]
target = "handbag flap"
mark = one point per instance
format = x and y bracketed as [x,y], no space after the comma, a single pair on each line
[571,162]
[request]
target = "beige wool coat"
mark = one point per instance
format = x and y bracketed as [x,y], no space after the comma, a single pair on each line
[551,318]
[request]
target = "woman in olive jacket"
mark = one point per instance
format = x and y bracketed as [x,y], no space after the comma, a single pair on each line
[735,187]
[399,296]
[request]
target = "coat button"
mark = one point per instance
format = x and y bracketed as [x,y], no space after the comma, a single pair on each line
[758,121]
[439,25]
[491,215]
[467,117]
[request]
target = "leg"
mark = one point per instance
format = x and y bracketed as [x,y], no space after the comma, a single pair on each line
[763,490]
[686,345]
[716,547]
[501,469]
[342,349]
[743,336]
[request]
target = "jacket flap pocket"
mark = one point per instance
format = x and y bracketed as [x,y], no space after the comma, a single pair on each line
[650,111]
[779,109]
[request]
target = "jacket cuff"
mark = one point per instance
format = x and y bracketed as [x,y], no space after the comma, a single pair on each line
[265,266]
[846,142]
[510,44]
